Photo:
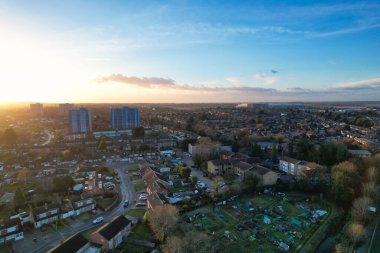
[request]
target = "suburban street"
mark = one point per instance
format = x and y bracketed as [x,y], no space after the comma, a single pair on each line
[46,240]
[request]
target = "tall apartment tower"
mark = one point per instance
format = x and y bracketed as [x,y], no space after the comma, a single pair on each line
[125,118]
[80,120]
[65,108]
[36,109]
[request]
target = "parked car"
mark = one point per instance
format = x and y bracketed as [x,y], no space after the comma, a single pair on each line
[141,205]
[143,197]
[98,220]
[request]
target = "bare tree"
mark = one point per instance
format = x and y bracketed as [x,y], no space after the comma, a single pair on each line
[163,220]
[369,190]
[356,232]
[173,244]
[371,174]
[360,209]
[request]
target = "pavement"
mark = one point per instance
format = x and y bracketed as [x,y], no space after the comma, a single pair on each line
[50,238]
[374,246]
[49,138]
[196,172]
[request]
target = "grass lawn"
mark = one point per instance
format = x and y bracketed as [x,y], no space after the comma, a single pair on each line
[134,169]
[4,249]
[138,212]
[104,203]
[134,178]
[132,248]
[181,188]
[139,186]
[141,232]
[4,214]
[84,216]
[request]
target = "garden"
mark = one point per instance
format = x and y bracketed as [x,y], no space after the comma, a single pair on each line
[268,222]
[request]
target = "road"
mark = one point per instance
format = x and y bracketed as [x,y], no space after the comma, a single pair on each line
[375,242]
[196,172]
[48,241]
[49,138]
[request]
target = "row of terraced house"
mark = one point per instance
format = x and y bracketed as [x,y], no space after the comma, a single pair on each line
[13,228]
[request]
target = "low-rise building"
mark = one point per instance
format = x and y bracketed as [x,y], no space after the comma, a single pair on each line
[11,230]
[266,176]
[241,169]
[44,215]
[84,205]
[112,234]
[75,244]
[219,167]
[359,153]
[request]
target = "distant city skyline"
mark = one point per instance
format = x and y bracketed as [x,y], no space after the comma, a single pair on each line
[189,51]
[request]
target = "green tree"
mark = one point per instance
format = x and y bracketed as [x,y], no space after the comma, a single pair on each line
[9,136]
[19,198]
[102,145]
[62,184]
[138,132]
[251,183]
[305,150]
[235,146]
[184,145]
[290,148]
[256,150]
[274,153]
[327,153]
[194,180]
[183,171]
[345,183]
[197,159]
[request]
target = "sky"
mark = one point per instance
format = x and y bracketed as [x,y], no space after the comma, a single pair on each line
[189,51]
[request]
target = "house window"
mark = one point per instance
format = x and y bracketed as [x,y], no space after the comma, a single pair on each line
[11,229]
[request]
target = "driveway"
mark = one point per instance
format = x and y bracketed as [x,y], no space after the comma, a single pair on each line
[199,174]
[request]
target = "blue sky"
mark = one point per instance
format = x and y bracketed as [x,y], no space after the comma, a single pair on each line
[191,51]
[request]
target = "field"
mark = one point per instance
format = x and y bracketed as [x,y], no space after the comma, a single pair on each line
[267,223]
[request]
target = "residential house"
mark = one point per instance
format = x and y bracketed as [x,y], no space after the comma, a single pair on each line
[45,215]
[289,165]
[155,200]
[219,167]
[112,234]
[359,153]
[266,176]
[75,244]
[11,230]
[295,167]
[154,181]
[84,205]
[241,169]
[66,211]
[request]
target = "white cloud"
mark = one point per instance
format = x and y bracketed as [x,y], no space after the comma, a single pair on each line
[265,79]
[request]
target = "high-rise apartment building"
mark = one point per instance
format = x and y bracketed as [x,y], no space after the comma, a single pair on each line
[36,109]
[65,108]
[125,118]
[80,120]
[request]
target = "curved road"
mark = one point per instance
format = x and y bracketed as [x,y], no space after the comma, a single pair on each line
[49,138]
[127,192]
